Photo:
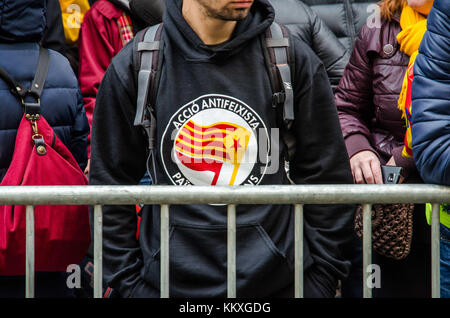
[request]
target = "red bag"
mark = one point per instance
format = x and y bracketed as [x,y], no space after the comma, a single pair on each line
[62,233]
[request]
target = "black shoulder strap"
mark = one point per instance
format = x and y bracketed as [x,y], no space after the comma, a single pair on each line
[279,59]
[14,86]
[41,72]
[150,59]
[31,109]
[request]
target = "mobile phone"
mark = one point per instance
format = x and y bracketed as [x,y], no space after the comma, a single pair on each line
[391,174]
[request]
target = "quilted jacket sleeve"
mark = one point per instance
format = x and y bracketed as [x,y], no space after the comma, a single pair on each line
[353,98]
[431,99]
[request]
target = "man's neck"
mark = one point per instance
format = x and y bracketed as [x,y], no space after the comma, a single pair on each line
[210,30]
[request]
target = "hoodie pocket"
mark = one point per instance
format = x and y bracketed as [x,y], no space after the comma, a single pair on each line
[198,262]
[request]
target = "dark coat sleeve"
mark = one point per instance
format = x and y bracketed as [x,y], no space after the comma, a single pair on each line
[79,133]
[431,99]
[321,158]
[53,37]
[118,158]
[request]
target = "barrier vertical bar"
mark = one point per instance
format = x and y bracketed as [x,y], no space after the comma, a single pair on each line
[367,248]
[29,250]
[231,251]
[164,251]
[435,252]
[298,217]
[98,251]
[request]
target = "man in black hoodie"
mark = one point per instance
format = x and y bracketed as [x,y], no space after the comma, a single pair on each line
[213,78]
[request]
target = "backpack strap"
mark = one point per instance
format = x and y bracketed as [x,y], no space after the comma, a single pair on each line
[277,42]
[149,51]
[279,57]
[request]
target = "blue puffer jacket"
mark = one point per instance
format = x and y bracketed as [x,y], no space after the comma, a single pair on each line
[431,98]
[22,23]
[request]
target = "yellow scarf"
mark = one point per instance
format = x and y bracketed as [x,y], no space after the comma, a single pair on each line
[414,26]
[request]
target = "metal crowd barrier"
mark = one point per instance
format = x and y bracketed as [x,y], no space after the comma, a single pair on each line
[298,195]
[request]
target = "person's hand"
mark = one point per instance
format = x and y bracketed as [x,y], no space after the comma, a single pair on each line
[88,166]
[366,168]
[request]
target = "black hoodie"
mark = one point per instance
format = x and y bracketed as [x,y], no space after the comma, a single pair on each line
[215,102]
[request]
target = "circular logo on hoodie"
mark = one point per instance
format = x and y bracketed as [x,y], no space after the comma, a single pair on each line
[214,140]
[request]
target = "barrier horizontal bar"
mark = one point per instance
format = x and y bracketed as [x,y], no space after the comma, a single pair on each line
[276,194]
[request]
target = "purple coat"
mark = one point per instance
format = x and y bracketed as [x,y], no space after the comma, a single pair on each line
[367,95]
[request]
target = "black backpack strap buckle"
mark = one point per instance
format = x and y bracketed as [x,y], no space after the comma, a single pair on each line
[278,98]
